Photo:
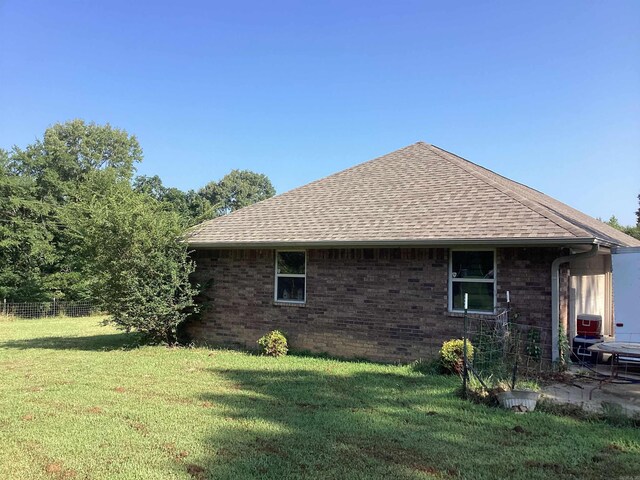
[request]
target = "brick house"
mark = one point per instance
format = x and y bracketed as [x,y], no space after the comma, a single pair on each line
[374,261]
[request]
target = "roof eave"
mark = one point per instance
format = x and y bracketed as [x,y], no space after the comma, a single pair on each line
[558,242]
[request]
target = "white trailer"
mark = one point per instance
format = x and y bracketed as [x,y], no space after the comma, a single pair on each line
[625,262]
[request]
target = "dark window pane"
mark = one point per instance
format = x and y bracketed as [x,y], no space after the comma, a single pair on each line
[472,264]
[480,296]
[290,289]
[291,262]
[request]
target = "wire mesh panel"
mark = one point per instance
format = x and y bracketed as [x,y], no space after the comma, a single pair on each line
[47,309]
[501,345]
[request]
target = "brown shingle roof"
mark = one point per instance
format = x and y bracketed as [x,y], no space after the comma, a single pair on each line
[419,194]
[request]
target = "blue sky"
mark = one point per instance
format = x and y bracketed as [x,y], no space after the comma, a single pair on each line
[546,93]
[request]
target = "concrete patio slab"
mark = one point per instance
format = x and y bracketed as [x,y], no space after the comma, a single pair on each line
[587,389]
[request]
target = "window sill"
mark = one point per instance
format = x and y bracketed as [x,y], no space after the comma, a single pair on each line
[282,303]
[457,314]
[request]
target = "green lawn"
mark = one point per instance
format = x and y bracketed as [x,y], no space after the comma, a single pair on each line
[78,401]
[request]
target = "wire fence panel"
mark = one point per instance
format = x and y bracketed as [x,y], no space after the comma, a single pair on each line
[504,348]
[48,309]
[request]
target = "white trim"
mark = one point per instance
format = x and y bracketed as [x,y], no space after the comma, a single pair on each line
[292,275]
[493,280]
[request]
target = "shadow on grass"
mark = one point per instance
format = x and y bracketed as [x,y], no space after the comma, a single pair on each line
[325,423]
[308,423]
[116,341]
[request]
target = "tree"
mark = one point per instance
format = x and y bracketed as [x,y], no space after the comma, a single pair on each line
[237,189]
[633,231]
[25,248]
[41,256]
[72,150]
[137,256]
[151,186]
[191,206]
[56,167]
[613,222]
[638,213]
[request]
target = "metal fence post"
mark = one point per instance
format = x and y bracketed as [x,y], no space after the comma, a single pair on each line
[465,373]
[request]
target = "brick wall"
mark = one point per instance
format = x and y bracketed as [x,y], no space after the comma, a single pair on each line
[526,274]
[383,304]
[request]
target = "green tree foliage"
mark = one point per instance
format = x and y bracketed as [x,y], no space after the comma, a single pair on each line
[190,205]
[56,167]
[136,255]
[237,189]
[633,231]
[41,255]
[72,150]
[25,248]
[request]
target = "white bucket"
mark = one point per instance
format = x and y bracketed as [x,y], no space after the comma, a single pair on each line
[522,400]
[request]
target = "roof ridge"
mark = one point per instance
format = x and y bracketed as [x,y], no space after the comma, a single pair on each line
[419,193]
[195,231]
[341,172]
[574,217]
[554,207]
[534,206]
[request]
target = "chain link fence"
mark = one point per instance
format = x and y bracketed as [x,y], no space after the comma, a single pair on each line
[47,309]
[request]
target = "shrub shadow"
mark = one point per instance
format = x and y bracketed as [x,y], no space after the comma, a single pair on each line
[329,422]
[116,341]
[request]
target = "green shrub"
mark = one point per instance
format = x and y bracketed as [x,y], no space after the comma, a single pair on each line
[451,355]
[274,344]
[133,249]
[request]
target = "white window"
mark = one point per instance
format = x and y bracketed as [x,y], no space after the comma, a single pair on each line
[472,272]
[291,280]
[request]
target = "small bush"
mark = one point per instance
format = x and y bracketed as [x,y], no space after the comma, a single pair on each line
[274,344]
[451,355]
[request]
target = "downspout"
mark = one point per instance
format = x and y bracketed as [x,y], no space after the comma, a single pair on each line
[555,297]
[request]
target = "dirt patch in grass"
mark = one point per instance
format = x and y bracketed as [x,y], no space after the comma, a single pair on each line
[182,454]
[95,410]
[139,427]
[612,447]
[120,389]
[28,417]
[58,471]
[608,451]
[177,455]
[196,471]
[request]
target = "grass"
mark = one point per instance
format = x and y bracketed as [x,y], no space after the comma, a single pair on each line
[79,400]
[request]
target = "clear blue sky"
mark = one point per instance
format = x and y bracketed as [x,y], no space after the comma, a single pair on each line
[546,93]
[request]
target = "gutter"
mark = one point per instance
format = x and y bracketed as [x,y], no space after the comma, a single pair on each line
[555,296]
[529,242]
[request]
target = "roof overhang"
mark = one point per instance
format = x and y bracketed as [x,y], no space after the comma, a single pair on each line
[449,242]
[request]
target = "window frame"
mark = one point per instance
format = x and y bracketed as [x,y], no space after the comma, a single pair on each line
[451,280]
[289,275]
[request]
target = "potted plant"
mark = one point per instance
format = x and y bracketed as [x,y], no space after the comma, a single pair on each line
[518,400]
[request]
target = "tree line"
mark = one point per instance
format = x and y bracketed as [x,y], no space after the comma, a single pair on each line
[632,230]
[76,223]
